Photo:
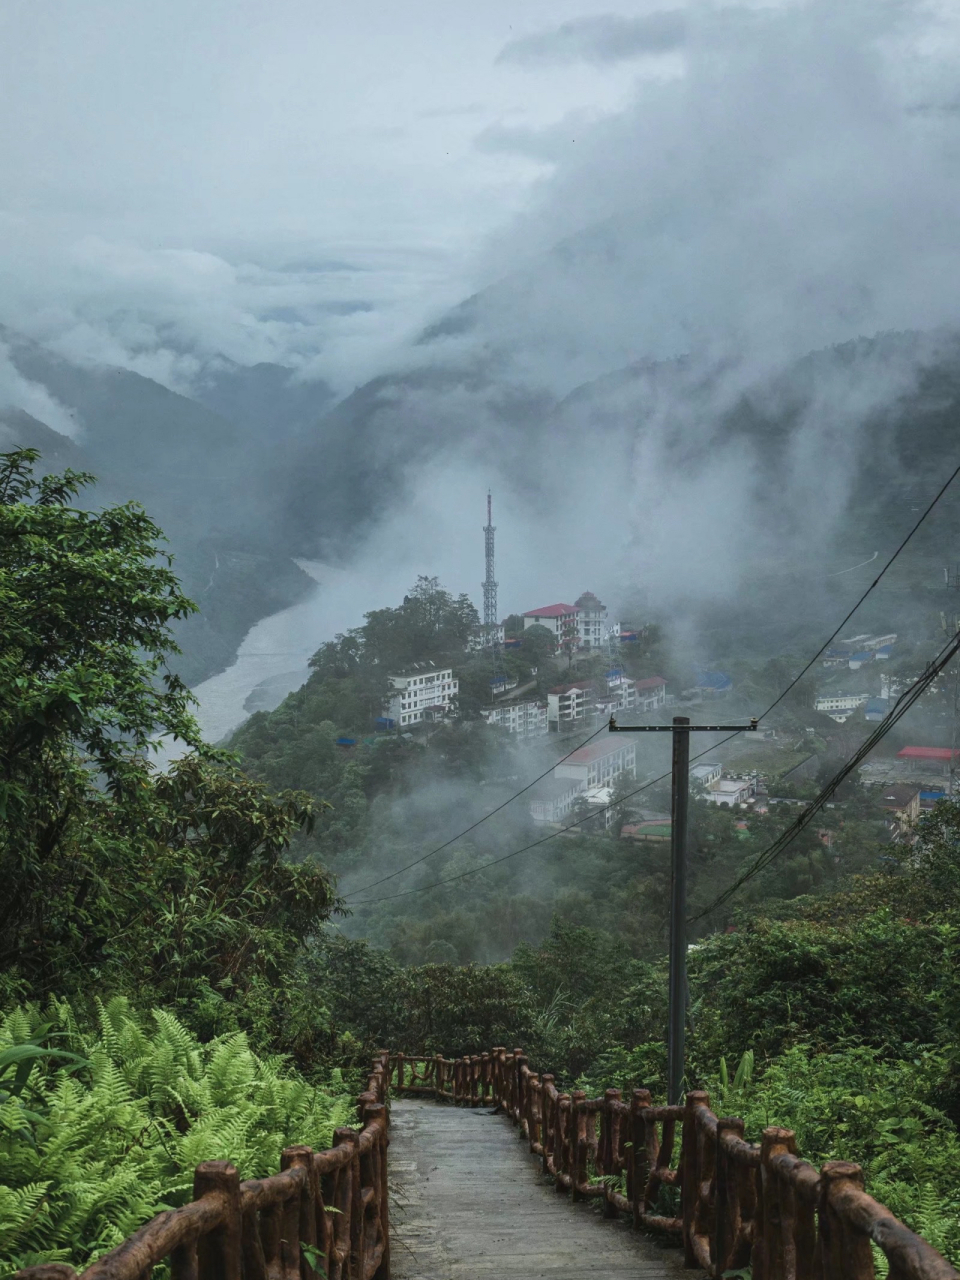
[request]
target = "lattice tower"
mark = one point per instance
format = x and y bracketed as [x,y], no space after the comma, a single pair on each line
[489,583]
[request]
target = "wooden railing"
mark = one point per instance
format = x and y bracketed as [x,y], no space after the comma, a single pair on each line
[324,1216]
[730,1203]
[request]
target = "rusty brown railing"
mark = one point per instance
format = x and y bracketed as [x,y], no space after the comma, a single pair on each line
[736,1203]
[332,1202]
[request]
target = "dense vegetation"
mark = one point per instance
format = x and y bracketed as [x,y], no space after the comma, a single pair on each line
[170,891]
[174,986]
[107,1127]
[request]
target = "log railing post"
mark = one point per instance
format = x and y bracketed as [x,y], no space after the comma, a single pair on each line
[844,1252]
[689,1172]
[349,1230]
[561,1159]
[609,1153]
[299,1214]
[578,1143]
[547,1129]
[219,1251]
[772,1251]
[533,1110]
[728,1211]
[438,1074]
[638,1164]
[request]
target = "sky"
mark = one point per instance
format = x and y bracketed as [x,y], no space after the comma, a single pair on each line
[271,181]
[311,182]
[736,183]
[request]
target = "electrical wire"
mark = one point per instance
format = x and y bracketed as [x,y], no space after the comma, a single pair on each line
[899,709]
[830,639]
[459,836]
[596,812]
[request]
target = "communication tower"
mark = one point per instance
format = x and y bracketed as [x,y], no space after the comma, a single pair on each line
[489,582]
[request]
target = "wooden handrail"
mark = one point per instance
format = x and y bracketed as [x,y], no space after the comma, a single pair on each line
[729,1202]
[333,1202]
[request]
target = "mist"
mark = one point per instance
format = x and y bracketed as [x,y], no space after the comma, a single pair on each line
[677,285]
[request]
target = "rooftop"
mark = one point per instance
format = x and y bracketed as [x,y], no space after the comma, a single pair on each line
[551,611]
[651,682]
[713,680]
[561,689]
[927,753]
[554,788]
[898,796]
[593,751]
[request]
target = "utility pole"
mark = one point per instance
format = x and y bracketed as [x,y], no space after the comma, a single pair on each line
[679,808]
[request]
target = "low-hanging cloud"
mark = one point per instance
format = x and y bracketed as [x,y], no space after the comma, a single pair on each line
[601,39]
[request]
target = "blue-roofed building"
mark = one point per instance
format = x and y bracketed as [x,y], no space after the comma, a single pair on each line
[857,660]
[884,652]
[875,708]
[713,683]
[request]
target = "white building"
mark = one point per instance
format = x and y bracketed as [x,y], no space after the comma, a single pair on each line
[600,800]
[650,693]
[553,798]
[858,644]
[598,763]
[562,619]
[592,621]
[422,694]
[567,704]
[706,774]
[527,718]
[838,706]
[730,791]
[485,637]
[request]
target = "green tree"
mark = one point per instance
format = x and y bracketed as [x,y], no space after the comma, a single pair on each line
[85,606]
[174,884]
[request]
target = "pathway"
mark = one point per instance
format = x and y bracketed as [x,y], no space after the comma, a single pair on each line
[469,1202]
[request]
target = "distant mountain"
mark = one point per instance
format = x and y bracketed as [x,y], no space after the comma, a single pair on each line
[197,474]
[263,395]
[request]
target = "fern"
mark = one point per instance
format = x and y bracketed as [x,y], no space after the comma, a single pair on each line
[107,1145]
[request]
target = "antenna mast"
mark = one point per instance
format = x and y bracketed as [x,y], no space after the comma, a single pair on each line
[489,583]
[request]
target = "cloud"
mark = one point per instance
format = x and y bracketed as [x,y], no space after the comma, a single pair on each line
[18,392]
[601,39]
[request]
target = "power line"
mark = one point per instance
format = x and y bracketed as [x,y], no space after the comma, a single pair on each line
[459,836]
[829,640]
[899,709]
[595,813]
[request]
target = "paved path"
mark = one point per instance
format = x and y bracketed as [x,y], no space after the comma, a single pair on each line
[469,1202]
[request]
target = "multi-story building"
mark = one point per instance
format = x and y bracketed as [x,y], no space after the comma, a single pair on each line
[730,791]
[591,621]
[650,693]
[706,774]
[553,798]
[598,763]
[526,718]
[567,704]
[562,619]
[482,637]
[901,800]
[422,694]
[838,706]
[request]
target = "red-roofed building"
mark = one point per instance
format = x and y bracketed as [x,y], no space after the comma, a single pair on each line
[651,693]
[929,759]
[562,619]
[598,763]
